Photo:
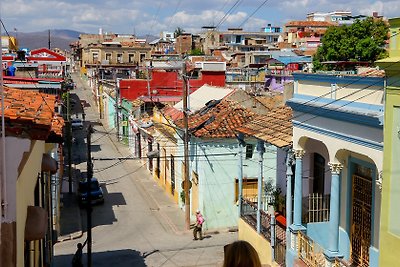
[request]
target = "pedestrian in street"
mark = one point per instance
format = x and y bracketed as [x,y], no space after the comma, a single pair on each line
[77,259]
[241,254]
[198,226]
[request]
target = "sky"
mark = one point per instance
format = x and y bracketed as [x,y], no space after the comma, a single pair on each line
[142,17]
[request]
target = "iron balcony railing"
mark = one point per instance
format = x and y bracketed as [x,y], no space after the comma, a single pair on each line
[310,252]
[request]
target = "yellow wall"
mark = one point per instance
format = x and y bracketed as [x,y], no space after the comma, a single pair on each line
[388,241]
[262,246]
[25,193]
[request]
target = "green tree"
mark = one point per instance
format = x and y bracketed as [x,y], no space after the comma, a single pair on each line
[364,40]
[178,31]
[196,52]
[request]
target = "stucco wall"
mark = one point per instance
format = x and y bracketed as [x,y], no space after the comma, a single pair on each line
[262,246]
[389,237]
[25,192]
[217,166]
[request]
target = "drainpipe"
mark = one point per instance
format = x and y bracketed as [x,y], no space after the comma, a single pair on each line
[261,150]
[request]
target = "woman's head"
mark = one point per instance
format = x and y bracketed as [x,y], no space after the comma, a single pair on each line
[241,254]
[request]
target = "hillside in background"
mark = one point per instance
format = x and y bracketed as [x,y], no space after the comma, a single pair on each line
[58,38]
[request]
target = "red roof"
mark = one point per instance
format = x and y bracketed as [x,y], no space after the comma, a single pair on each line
[31,114]
[218,119]
[307,23]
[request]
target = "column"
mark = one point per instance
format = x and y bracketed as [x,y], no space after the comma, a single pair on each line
[298,187]
[334,208]
[261,150]
[289,175]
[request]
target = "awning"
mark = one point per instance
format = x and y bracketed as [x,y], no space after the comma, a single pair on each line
[49,164]
[36,223]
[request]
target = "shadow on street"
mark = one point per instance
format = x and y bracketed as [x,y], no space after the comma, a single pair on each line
[120,258]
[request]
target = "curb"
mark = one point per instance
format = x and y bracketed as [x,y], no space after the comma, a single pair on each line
[72,236]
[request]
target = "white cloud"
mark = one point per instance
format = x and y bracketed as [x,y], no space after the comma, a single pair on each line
[160,15]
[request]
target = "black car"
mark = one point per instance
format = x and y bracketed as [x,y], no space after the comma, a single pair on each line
[96,192]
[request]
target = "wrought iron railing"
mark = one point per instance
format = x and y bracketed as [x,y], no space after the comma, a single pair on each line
[249,212]
[249,215]
[310,252]
[318,208]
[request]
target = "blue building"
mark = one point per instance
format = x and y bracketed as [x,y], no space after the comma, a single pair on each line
[338,144]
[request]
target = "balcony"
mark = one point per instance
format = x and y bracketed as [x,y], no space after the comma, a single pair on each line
[249,215]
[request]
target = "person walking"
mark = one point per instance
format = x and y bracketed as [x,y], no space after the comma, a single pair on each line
[198,226]
[77,259]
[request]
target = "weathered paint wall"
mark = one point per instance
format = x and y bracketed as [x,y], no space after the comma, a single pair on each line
[216,164]
[261,245]
[25,192]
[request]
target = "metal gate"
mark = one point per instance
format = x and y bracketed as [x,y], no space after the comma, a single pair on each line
[361,220]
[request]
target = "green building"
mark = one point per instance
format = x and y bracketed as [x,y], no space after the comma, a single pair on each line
[390,211]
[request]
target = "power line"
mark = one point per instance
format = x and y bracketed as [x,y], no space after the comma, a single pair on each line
[252,14]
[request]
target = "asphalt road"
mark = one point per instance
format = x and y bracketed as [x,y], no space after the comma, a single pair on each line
[136,225]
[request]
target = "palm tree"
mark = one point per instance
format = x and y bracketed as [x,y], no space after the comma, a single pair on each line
[178,31]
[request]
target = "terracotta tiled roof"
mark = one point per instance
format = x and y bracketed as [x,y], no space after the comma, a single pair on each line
[372,73]
[172,113]
[218,119]
[31,114]
[275,127]
[306,23]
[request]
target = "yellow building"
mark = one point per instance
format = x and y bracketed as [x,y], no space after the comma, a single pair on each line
[33,133]
[390,215]
[9,43]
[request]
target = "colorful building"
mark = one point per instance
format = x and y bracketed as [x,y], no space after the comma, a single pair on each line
[338,149]
[33,138]
[390,216]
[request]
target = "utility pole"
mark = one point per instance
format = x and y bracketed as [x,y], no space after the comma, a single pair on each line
[49,41]
[117,101]
[186,147]
[69,141]
[89,175]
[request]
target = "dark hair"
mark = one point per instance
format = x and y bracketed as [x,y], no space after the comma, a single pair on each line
[241,254]
[79,245]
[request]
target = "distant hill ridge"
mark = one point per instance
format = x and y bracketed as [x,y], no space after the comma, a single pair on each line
[58,39]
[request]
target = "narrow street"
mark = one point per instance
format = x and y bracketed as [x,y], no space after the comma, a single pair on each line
[138,225]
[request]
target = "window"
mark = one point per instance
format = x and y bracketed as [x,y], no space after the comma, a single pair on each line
[142,57]
[119,58]
[131,58]
[249,151]
[250,189]
[108,57]
[95,57]
[319,174]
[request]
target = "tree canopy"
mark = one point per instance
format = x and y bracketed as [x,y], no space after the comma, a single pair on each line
[364,40]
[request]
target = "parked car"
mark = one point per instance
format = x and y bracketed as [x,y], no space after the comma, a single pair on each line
[96,192]
[76,124]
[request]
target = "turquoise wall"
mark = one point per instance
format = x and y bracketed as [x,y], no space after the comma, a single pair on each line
[111,112]
[217,166]
[317,232]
